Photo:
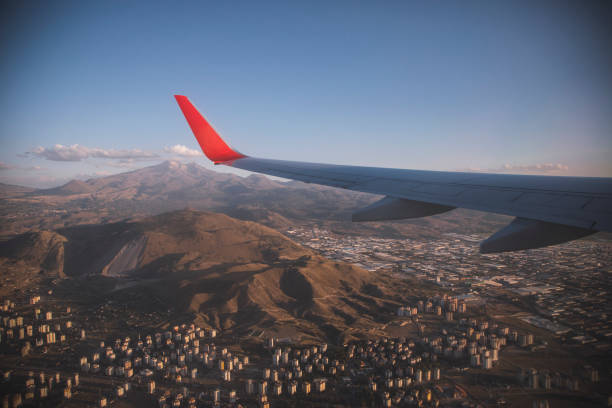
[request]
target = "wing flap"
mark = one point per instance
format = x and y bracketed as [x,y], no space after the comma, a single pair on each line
[391,208]
[523,233]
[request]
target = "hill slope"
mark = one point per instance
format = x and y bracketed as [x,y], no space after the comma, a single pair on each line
[222,272]
[10,190]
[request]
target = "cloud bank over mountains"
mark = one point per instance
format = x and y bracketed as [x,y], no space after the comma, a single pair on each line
[543,168]
[538,168]
[5,166]
[77,152]
[183,151]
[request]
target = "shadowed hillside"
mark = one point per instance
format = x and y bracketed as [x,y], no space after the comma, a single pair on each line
[219,271]
[35,253]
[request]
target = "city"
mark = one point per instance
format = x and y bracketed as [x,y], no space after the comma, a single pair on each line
[494,335]
[569,284]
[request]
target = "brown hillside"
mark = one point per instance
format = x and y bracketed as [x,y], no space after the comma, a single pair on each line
[70,188]
[219,271]
[9,190]
[34,252]
[209,238]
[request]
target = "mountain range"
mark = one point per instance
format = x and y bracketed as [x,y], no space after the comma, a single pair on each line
[173,185]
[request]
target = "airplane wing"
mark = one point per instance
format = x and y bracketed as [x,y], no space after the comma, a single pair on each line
[548,209]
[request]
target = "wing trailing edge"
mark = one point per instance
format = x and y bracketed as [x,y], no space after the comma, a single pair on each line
[391,208]
[523,233]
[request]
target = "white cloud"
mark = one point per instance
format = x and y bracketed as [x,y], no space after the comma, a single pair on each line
[120,164]
[6,166]
[97,174]
[36,181]
[77,153]
[521,168]
[123,154]
[62,153]
[539,168]
[183,151]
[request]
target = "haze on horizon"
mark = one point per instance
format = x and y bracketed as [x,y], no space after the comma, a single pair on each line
[517,87]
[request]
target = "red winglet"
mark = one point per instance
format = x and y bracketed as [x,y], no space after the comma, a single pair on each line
[211,143]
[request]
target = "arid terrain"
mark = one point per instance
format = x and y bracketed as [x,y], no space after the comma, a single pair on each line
[96,266]
[231,269]
[212,269]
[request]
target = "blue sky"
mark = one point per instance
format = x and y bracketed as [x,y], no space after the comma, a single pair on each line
[522,87]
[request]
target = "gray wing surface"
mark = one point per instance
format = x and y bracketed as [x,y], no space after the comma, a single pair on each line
[574,201]
[549,210]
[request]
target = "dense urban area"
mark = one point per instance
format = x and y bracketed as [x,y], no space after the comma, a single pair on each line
[497,334]
[569,284]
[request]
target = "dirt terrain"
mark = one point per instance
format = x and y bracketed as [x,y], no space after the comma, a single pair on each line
[210,268]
